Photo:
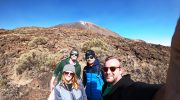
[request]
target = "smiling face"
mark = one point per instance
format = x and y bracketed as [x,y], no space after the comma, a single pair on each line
[112,71]
[68,75]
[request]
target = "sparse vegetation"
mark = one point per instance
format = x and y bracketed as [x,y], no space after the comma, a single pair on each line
[3,81]
[22,64]
[38,41]
[34,60]
[98,43]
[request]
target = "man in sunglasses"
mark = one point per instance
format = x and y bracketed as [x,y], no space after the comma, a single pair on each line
[93,77]
[118,87]
[71,60]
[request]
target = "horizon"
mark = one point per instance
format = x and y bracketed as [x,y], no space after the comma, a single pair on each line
[151,21]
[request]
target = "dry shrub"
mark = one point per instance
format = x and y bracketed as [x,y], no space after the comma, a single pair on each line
[3,81]
[38,41]
[98,43]
[36,60]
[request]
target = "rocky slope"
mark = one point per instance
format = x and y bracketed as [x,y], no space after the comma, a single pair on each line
[28,55]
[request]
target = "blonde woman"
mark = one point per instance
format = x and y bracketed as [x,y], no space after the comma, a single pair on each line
[69,87]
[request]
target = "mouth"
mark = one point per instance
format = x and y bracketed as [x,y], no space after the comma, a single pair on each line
[108,77]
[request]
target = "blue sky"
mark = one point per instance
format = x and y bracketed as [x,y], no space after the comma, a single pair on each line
[149,20]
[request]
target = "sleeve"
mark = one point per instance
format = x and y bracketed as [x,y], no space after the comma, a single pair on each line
[103,77]
[78,72]
[83,91]
[84,77]
[57,93]
[58,69]
[102,73]
[51,96]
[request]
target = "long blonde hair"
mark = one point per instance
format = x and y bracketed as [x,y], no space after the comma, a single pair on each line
[74,81]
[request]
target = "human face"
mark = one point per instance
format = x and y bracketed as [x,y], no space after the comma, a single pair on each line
[90,60]
[112,71]
[68,75]
[74,56]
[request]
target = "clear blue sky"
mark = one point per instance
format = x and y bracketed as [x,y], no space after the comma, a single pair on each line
[150,20]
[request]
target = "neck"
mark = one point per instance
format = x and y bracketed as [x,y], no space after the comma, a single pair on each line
[72,61]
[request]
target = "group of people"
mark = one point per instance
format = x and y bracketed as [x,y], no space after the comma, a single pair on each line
[70,85]
[107,82]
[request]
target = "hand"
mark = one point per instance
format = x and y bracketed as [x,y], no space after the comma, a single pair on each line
[51,87]
[52,83]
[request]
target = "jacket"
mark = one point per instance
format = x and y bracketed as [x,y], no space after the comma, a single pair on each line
[62,92]
[127,89]
[93,80]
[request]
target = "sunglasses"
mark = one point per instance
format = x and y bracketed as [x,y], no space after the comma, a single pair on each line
[89,57]
[74,54]
[69,73]
[105,69]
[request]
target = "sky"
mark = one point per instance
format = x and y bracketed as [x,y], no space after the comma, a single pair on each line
[153,21]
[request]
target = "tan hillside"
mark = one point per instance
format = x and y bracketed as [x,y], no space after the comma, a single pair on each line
[28,56]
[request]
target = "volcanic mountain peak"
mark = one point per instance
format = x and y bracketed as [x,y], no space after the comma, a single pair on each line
[89,26]
[85,23]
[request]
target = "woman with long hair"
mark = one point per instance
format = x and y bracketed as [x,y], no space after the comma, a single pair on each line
[69,87]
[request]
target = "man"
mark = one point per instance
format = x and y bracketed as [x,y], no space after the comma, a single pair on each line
[92,76]
[120,87]
[71,60]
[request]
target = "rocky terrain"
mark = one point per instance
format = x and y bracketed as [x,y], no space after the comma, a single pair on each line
[28,56]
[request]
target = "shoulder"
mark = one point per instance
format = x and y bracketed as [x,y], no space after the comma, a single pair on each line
[77,64]
[85,68]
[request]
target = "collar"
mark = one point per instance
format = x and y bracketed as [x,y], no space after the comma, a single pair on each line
[124,82]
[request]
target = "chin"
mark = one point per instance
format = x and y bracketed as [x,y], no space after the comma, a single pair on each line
[109,80]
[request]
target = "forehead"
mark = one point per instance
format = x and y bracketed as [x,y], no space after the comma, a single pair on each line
[69,71]
[112,62]
[74,52]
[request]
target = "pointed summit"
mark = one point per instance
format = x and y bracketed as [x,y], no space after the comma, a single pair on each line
[89,26]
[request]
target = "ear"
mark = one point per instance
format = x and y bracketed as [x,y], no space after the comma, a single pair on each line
[123,70]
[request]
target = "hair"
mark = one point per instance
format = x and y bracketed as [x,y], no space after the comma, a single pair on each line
[113,57]
[74,49]
[74,80]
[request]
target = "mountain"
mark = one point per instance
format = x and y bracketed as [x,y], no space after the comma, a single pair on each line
[89,26]
[28,56]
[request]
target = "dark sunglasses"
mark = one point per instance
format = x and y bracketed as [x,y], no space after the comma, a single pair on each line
[74,54]
[67,73]
[89,57]
[105,69]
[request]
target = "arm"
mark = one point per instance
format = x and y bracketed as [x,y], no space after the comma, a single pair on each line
[84,77]
[173,77]
[55,74]
[52,83]
[83,90]
[78,70]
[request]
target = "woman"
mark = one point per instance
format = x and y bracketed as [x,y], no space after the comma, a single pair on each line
[69,87]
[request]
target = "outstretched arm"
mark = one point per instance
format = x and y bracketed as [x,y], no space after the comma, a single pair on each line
[173,77]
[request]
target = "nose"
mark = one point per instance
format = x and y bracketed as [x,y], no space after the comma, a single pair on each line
[108,71]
